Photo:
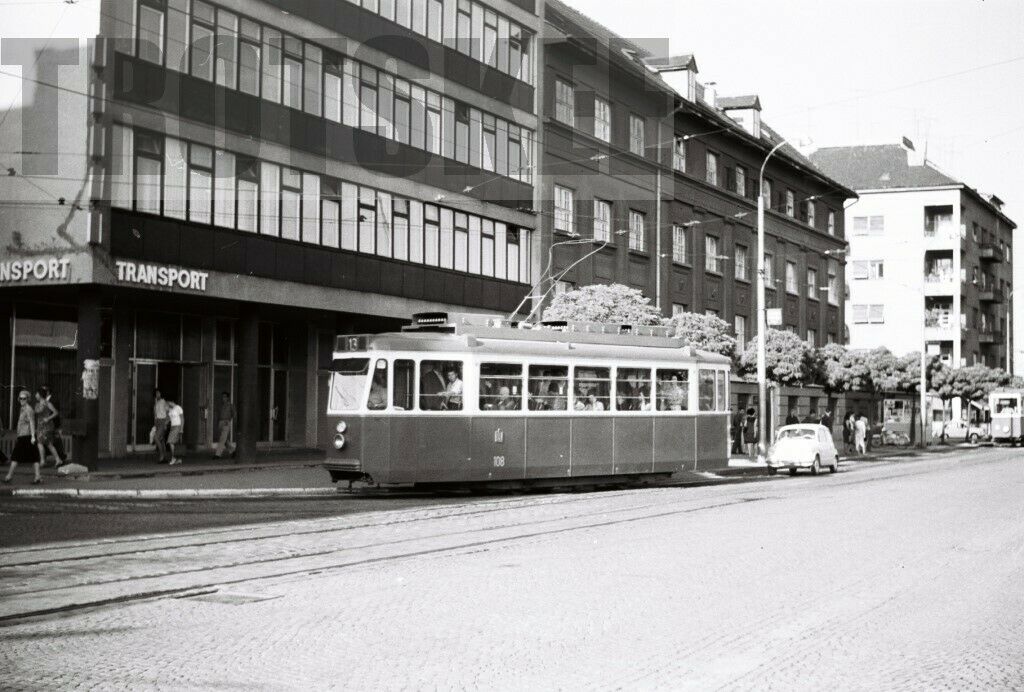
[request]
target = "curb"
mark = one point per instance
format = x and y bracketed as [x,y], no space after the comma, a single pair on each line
[188,493]
[184,470]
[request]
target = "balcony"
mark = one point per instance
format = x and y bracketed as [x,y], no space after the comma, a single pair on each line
[990,253]
[990,337]
[940,283]
[990,295]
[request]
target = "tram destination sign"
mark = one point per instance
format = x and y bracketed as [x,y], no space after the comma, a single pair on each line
[161,276]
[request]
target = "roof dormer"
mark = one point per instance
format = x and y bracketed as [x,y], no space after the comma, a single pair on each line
[746,110]
[679,72]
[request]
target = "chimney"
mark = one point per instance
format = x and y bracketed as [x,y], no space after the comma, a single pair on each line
[711,94]
[913,157]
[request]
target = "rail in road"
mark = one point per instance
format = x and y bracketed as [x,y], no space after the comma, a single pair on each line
[47,580]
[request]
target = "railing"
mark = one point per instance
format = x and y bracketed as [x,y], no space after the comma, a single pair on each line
[990,336]
[939,277]
[991,253]
[990,295]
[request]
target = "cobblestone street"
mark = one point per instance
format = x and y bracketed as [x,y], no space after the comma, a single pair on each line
[903,576]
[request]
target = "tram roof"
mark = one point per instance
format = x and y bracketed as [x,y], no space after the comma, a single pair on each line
[525,343]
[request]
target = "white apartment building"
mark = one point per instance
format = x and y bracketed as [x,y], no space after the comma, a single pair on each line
[929,261]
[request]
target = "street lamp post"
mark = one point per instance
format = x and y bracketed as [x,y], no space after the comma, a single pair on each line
[762,322]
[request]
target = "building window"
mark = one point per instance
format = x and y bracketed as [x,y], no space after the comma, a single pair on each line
[833,282]
[868,314]
[152,22]
[739,325]
[812,337]
[769,271]
[811,218]
[565,220]
[679,154]
[602,220]
[200,184]
[202,42]
[679,244]
[831,223]
[565,108]
[711,175]
[741,263]
[790,203]
[766,192]
[812,284]
[868,269]
[149,157]
[868,225]
[249,52]
[712,261]
[602,120]
[791,285]
[636,135]
[637,232]
[741,181]
[678,309]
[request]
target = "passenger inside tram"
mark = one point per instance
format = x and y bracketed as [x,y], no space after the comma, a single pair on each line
[673,386]
[378,399]
[441,386]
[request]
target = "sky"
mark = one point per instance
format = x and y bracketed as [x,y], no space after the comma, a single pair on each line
[947,74]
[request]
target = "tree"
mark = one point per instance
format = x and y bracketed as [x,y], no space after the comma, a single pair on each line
[889,373]
[612,303]
[969,383]
[704,332]
[786,357]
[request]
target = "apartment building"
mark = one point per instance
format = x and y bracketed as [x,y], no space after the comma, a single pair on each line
[930,258]
[651,180]
[205,193]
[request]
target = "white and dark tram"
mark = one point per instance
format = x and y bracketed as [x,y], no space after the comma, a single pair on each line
[1004,407]
[472,400]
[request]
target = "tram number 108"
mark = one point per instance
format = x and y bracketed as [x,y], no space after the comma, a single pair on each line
[499,462]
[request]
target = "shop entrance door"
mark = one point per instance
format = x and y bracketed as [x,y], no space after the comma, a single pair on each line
[273,385]
[146,377]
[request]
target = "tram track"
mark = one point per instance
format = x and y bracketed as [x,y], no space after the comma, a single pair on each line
[90,592]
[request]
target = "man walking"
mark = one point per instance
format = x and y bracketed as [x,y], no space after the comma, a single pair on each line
[225,420]
[176,418]
[160,426]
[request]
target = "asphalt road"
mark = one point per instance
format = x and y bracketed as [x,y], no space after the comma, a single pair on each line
[895,576]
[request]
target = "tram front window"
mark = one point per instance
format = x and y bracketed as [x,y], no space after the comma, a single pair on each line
[706,390]
[591,389]
[501,387]
[378,397]
[673,390]
[1007,405]
[549,387]
[347,384]
[441,385]
[633,389]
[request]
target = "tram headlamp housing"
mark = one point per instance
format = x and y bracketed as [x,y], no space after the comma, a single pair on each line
[342,426]
[339,441]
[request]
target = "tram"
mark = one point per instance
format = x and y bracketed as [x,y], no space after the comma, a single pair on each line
[473,400]
[1004,406]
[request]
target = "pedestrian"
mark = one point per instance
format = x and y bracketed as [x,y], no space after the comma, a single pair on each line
[225,421]
[737,431]
[58,437]
[860,434]
[826,419]
[161,424]
[792,418]
[46,414]
[750,432]
[176,419]
[25,450]
[848,430]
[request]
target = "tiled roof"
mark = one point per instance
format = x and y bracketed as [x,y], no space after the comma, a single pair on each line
[877,167]
[672,62]
[736,102]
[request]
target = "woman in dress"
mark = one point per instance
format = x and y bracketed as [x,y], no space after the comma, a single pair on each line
[751,432]
[848,432]
[46,427]
[25,450]
[860,435]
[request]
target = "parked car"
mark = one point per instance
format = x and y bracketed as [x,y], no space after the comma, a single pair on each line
[804,446]
[962,430]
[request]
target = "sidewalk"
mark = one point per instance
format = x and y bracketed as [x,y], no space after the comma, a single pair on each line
[743,466]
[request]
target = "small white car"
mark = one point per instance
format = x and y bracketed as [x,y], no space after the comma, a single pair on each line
[805,446]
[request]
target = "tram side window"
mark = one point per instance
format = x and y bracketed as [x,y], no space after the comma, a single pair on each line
[348,379]
[404,395]
[633,389]
[706,390]
[549,386]
[722,390]
[673,390]
[592,389]
[441,385]
[501,387]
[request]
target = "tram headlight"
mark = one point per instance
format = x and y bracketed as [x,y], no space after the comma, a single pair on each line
[339,441]
[342,426]
[1006,428]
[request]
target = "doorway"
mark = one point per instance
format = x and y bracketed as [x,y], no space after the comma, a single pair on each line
[273,389]
[148,376]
